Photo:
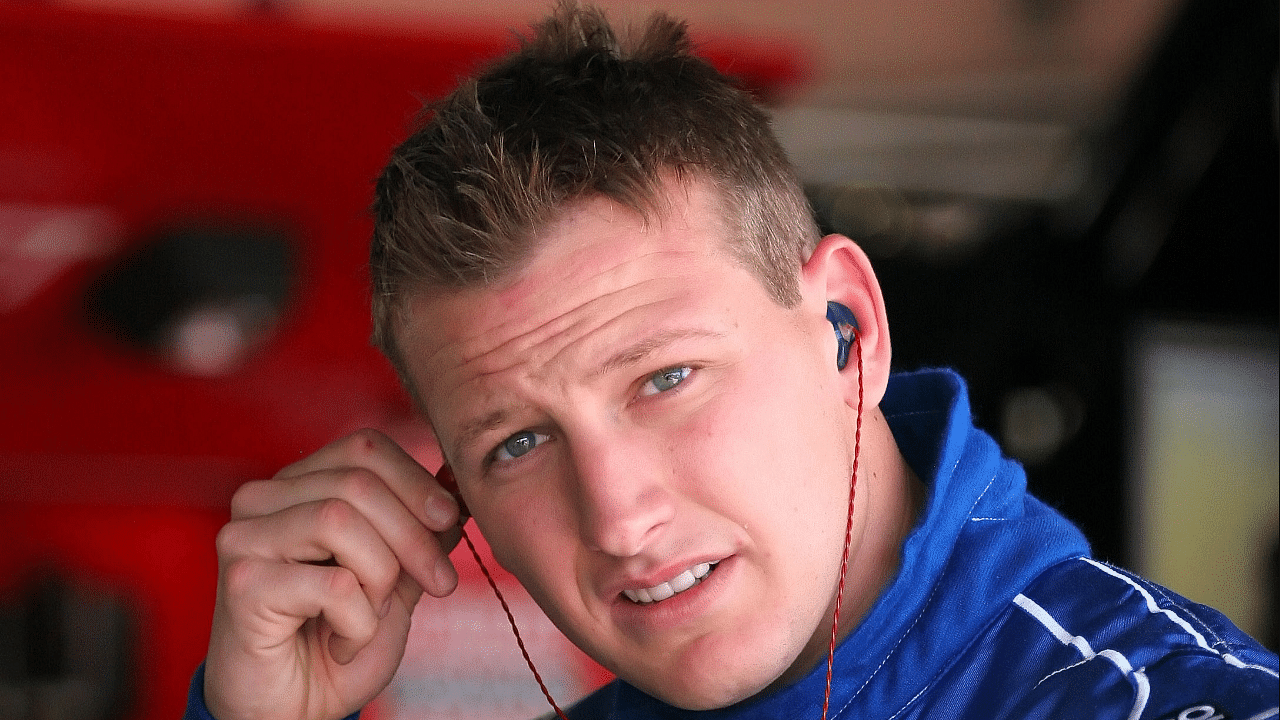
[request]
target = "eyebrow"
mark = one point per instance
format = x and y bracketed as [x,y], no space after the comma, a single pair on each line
[474,428]
[632,355]
[638,352]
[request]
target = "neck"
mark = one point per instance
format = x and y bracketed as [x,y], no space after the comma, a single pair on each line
[889,500]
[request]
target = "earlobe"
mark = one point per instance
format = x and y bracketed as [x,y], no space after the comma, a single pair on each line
[839,271]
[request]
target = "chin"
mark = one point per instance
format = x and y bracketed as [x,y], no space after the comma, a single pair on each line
[710,687]
[704,698]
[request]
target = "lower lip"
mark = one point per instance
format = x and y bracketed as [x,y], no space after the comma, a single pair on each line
[677,609]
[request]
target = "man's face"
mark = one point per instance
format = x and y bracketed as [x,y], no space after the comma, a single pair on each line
[632,415]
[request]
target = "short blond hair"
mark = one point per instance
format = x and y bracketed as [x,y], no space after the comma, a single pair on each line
[577,112]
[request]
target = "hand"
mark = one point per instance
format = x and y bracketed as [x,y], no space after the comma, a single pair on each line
[319,571]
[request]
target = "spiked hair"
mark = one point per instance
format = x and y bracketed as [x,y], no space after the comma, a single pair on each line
[577,112]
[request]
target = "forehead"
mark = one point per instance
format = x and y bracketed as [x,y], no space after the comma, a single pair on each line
[593,240]
[599,263]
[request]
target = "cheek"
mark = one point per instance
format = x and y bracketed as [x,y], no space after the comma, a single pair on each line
[520,533]
[772,443]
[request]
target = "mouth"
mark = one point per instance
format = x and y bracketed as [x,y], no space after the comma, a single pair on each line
[676,585]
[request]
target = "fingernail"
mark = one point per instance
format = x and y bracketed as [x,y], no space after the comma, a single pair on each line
[386,607]
[441,511]
[446,576]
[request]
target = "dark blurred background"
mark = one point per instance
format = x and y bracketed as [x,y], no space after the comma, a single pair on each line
[1073,202]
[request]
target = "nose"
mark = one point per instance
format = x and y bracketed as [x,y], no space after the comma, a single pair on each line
[623,498]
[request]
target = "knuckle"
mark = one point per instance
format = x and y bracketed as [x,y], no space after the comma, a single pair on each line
[228,541]
[246,497]
[363,443]
[360,484]
[240,577]
[335,514]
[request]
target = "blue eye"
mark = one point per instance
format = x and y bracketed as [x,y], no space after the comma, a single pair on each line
[665,380]
[518,444]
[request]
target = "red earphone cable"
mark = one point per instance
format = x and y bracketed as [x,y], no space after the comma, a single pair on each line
[848,534]
[511,619]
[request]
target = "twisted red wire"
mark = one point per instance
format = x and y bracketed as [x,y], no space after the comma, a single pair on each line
[511,619]
[848,534]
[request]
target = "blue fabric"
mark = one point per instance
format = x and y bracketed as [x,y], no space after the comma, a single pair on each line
[196,709]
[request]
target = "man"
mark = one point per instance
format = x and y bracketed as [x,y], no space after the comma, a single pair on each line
[596,273]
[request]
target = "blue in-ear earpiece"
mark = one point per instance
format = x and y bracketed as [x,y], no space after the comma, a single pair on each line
[845,325]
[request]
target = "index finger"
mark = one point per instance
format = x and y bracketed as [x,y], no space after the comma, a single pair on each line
[369,449]
[421,550]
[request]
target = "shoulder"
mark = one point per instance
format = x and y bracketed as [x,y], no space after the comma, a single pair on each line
[1096,629]
[1085,640]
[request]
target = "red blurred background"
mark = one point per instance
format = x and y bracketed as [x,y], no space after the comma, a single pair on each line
[122,133]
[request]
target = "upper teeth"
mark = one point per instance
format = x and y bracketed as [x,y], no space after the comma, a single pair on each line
[677,584]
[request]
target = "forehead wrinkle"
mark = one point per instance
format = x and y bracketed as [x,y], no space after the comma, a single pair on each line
[569,326]
[509,301]
[519,351]
[586,327]
[471,430]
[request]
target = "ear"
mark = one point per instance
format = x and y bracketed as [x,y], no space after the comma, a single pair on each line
[838,270]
